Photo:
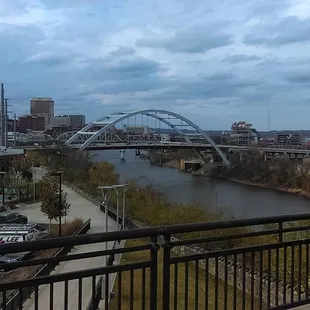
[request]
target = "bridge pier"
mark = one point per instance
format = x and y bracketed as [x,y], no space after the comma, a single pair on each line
[122,154]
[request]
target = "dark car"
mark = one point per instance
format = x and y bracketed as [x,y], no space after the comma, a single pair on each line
[14,257]
[12,217]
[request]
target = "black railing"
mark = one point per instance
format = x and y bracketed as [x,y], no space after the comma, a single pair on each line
[237,264]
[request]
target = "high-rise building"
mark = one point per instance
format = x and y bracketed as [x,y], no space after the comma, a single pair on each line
[77,120]
[43,107]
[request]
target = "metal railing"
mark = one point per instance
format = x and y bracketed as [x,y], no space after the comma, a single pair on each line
[237,264]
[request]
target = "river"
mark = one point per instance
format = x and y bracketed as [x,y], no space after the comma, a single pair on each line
[237,200]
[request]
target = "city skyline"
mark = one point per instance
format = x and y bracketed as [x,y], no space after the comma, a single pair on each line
[214,63]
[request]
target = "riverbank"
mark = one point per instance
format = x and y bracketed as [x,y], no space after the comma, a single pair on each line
[293,191]
[174,164]
[146,204]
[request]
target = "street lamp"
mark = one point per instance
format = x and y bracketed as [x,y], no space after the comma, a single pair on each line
[61,158]
[2,176]
[59,174]
[33,182]
[106,192]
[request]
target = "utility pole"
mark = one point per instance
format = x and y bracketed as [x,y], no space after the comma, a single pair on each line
[14,129]
[6,122]
[2,116]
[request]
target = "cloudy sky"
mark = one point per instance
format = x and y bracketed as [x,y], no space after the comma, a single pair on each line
[214,61]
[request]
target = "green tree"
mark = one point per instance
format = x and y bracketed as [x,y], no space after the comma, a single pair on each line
[49,193]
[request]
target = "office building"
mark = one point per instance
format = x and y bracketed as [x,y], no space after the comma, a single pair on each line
[30,122]
[289,139]
[61,121]
[77,120]
[43,107]
[138,130]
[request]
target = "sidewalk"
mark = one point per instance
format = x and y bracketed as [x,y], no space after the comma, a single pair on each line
[80,207]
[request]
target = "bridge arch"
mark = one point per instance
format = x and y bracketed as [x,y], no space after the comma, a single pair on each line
[163,116]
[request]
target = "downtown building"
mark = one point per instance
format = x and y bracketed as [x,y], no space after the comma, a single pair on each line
[43,106]
[74,121]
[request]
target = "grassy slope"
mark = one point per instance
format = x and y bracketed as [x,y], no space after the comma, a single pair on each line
[144,255]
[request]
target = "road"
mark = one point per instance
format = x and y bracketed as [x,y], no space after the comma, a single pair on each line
[80,207]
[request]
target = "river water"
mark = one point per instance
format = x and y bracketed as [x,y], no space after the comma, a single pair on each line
[237,200]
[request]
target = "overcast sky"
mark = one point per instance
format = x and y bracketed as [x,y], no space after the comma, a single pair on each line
[213,61]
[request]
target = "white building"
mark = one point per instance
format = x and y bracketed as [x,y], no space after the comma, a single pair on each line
[138,130]
[61,121]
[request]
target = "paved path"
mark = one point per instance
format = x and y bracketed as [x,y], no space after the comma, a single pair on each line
[80,207]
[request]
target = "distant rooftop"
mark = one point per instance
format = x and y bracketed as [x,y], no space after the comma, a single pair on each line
[42,98]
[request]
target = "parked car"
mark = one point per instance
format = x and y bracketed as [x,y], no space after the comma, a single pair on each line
[10,258]
[12,217]
[15,257]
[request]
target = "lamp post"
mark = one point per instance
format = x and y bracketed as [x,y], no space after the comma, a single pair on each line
[33,182]
[59,174]
[106,192]
[61,158]
[2,177]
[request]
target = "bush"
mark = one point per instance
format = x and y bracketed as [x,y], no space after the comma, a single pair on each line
[67,229]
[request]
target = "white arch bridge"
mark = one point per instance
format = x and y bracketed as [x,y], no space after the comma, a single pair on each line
[101,129]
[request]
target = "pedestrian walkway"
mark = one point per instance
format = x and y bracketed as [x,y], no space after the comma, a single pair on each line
[83,208]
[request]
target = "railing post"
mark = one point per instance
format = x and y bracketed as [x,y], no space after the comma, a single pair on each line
[280,232]
[153,274]
[166,272]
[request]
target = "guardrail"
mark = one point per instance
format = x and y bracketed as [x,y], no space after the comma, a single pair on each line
[270,284]
[227,271]
[16,300]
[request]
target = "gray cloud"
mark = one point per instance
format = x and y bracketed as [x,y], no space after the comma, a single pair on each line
[196,40]
[122,51]
[136,67]
[51,60]
[298,77]
[241,58]
[201,70]
[267,8]
[13,45]
[288,31]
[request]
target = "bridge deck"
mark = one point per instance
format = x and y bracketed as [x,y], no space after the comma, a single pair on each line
[171,145]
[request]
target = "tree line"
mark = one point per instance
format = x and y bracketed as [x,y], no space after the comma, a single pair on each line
[275,172]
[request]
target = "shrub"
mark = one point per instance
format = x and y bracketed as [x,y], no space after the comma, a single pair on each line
[67,229]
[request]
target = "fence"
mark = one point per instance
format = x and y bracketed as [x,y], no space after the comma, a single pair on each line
[216,265]
[21,190]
